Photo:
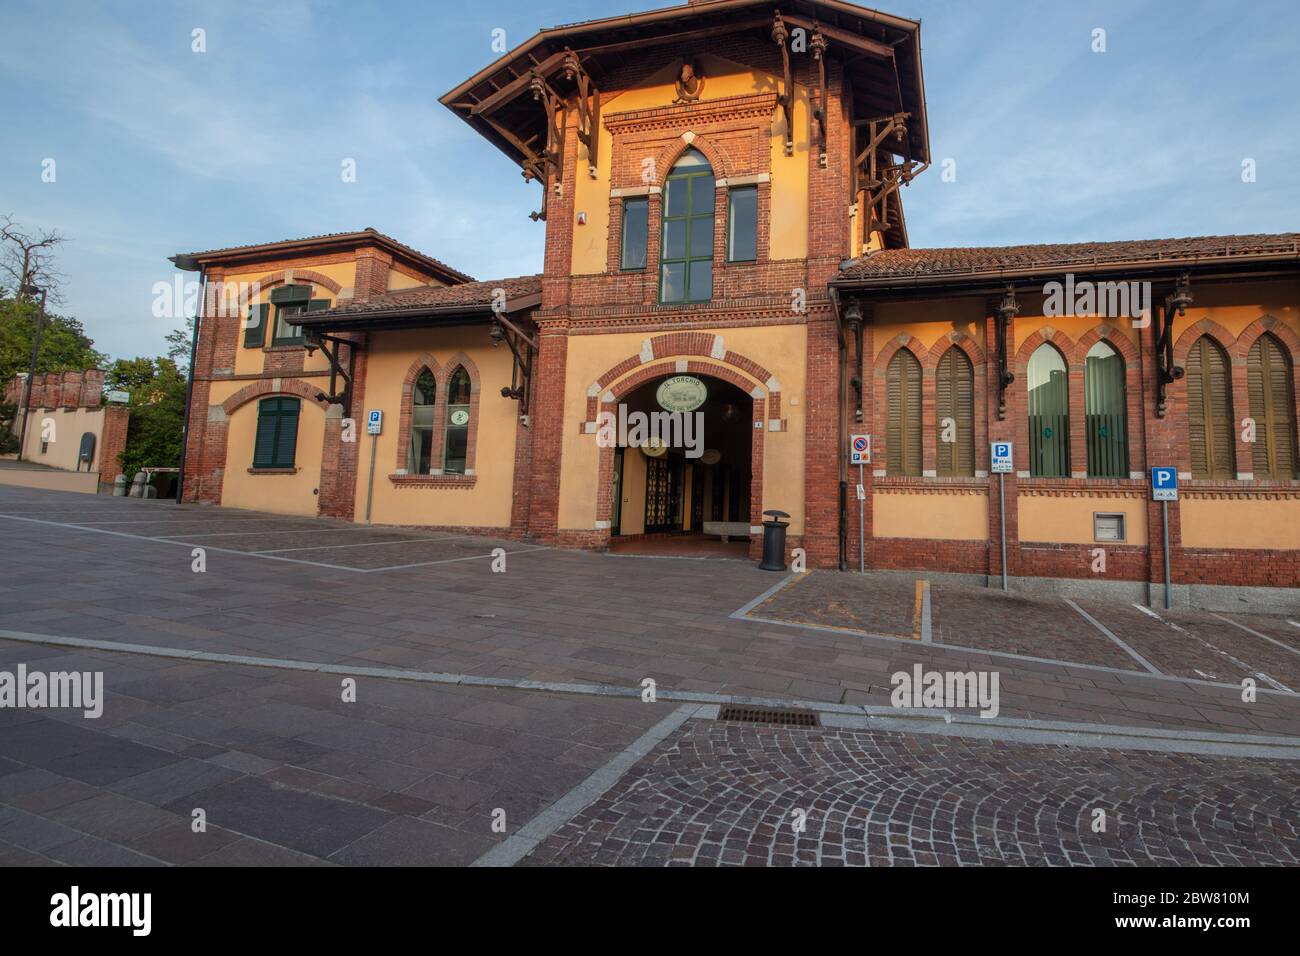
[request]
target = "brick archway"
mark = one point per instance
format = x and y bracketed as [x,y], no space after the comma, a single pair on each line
[273,386]
[292,276]
[644,373]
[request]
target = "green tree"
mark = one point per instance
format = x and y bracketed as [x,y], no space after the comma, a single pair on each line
[64,343]
[157,389]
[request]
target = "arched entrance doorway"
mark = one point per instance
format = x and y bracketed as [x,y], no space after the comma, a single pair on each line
[684,487]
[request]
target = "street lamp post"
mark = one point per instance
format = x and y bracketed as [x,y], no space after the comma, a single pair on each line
[28,289]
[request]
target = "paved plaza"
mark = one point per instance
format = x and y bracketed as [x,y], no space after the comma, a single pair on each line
[500,716]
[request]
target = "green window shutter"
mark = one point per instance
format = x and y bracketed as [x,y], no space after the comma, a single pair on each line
[903,430]
[255,329]
[1209,411]
[318,305]
[1272,403]
[286,441]
[291,295]
[1105,407]
[277,433]
[955,399]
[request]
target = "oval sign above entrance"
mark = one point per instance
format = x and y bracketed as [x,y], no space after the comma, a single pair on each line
[681,393]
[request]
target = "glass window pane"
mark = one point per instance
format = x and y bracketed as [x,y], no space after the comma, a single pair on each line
[675,239]
[675,202]
[425,389]
[702,238]
[1049,416]
[674,282]
[702,194]
[283,330]
[636,221]
[701,280]
[458,393]
[457,441]
[743,241]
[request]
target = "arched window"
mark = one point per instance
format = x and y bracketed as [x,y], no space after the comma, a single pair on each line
[1209,411]
[1272,406]
[903,430]
[686,252]
[1105,409]
[276,441]
[1049,414]
[419,456]
[954,410]
[458,411]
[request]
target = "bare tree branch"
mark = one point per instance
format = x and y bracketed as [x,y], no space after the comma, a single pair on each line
[27,259]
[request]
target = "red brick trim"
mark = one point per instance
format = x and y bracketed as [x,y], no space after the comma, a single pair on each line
[671,154]
[444,388]
[1266,325]
[288,386]
[1189,337]
[299,275]
[425,361]
[433,481]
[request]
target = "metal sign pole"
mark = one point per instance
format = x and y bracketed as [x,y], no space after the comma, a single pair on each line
[862,522]
[1002,517]
[370,486]
[1164,514]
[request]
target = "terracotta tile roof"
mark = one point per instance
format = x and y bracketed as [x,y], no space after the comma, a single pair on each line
[473,296]
[957,262]
[369,233]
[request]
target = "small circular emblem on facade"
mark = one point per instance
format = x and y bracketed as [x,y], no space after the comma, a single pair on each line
[459,417]
[681,393]
[711,456]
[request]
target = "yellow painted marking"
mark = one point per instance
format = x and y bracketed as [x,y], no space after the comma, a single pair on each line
[916,611]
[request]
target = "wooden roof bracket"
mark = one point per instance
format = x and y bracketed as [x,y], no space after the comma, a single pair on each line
[314,339]
[1166,371]
[781,37]
[552,172]
[1006,310]
[817,47]
[883,180]
[523,347]
[588,108]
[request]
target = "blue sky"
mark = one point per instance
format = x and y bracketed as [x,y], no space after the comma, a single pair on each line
[161,150]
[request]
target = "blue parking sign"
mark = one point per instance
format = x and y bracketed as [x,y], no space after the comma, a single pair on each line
[1164,484]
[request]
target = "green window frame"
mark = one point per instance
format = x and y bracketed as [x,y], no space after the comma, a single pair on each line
[456,448]
[277,432]
[1105,411]
[634,234]
[1049,414]
[742,224]
[290,300]
[686,249]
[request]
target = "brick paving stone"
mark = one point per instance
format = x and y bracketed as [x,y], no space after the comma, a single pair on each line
[725,793]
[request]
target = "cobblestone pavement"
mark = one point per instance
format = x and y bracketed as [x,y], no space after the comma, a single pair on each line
[722,793]
[120,570]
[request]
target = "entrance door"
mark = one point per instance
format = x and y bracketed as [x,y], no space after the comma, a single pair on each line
[663,483]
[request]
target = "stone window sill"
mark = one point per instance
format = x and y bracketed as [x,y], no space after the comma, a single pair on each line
[273,471]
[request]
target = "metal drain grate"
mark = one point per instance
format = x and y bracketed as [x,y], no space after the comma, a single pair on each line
[770,715]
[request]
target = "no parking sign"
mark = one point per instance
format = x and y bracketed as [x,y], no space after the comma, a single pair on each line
[860,450]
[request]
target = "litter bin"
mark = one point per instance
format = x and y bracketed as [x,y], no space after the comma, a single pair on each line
[774,541]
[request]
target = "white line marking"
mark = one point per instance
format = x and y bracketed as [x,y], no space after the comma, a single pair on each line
[1251,630]
[1107,631]
[1293,623]
[359,544]
[249,534]
[526,839]
[1276,685]
[472,557]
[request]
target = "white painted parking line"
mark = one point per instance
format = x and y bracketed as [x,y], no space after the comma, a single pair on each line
[1276,685]
[249,534]
[1251,630]
[360,544]
[1109,633]
[472,557]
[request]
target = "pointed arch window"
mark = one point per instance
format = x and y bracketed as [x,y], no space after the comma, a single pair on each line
[903,429]
[686,252]
[419,456]
[954,409]
[1105,409]
[1209,411]
[1049,414]
[458,422]
[1272,406]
